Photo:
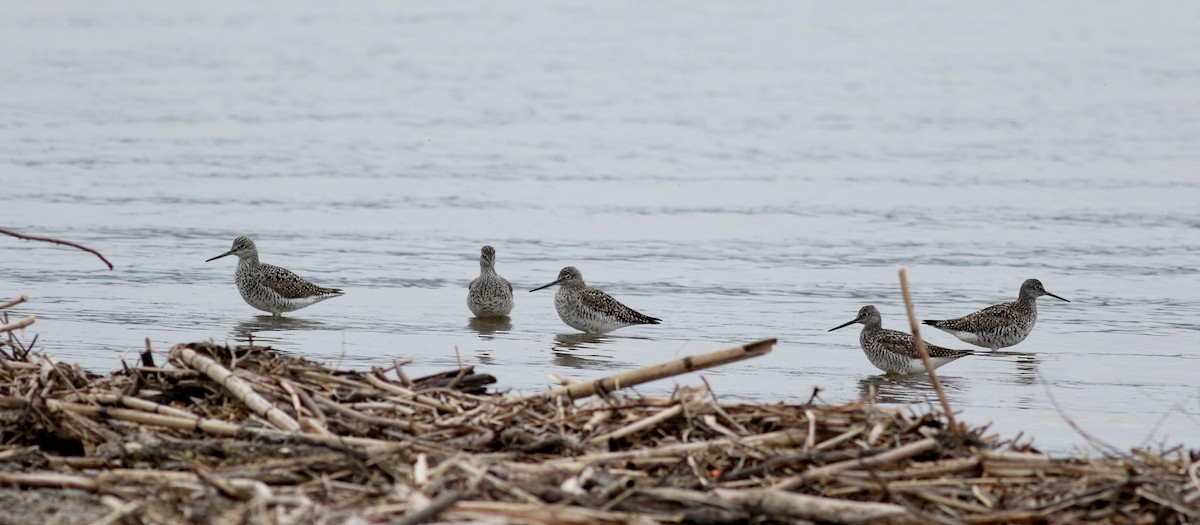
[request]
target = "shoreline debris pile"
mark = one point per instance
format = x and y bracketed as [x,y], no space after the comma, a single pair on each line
[250,435]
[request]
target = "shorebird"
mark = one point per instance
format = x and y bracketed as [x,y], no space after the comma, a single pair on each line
[998,326]
[489,295]
[271,288]
[589,309]
[894,352]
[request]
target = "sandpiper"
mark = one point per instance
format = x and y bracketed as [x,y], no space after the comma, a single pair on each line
[589,309]
[894,352]
[998,326]
[271,288]
[489,295]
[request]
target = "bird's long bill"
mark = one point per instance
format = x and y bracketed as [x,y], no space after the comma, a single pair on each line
[546,285]
[843,325]
[230,252]
[1056,297]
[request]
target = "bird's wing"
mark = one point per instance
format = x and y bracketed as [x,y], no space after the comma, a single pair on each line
[902,344]
[899,343]
[289,285]
[604,305]
[977,321]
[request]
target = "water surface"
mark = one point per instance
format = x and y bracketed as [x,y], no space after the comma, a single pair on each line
[743,171]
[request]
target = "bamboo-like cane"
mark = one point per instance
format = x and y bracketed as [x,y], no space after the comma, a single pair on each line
[788,437]
[222,428]
[17,325]
[658,371]
[896,454]
[236,386]
[916,331]
[788,506]
[14,302]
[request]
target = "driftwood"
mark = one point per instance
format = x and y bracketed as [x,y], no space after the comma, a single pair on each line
[236,386]
[780,504]
[14,302]
[661,370]
[17,325]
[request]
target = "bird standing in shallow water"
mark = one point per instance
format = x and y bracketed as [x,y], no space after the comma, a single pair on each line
[895,352]
[998,326]
[271,288]
[589,309]
[489,295]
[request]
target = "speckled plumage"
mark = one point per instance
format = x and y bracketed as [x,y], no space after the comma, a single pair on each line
[998,326]
[489,295]
[271,288]
[895,352]
[589,309]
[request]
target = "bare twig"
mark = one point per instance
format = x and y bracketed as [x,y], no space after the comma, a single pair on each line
[896,454]
[916,331]
[1095,441]
[55,241]
[430,511]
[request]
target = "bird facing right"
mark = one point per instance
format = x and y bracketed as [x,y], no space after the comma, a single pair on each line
[1001,325]
[589,309]
[895,352]
[489,295]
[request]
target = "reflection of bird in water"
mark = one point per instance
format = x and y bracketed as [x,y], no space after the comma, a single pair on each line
[251,330]
[899,390]
[1001,325]
[491,325]
[567,350]
[1026,364]
[579,340]
[589,362]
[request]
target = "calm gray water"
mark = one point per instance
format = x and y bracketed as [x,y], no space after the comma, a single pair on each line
[742,170]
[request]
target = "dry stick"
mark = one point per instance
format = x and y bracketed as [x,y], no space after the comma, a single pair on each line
[236,386]
[413,396]
[354,414]
[780,504]
[658,371]
[19,365]
[435,507]
[56,241]
[17,325]
[556,515]
[791,437]
[14,302]
[148,355]
[47,479]
[400,373]
[219,428]
[639,425]
[896,454]
[141,404]
[916,332]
